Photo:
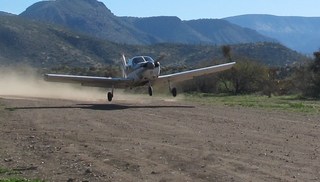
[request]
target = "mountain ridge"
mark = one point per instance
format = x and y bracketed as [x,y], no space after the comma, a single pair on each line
[94,18]
[2,13]
[88,16]
[41,45]
[296,32]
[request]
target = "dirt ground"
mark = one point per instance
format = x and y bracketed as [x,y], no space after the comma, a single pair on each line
[155,140]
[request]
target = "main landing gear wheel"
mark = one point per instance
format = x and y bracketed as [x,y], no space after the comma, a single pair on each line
[150,90]
[174,92]
[110,96]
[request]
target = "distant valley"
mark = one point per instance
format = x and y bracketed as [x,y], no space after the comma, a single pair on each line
[298,33]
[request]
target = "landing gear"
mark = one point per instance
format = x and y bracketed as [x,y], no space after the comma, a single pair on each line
[174,92]
[150,90]
[110,95]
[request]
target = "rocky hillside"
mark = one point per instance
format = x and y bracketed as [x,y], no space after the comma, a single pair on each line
[23,41]
[41,45]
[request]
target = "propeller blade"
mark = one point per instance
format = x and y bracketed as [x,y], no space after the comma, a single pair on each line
[123,66]
[161,58]
[148,65]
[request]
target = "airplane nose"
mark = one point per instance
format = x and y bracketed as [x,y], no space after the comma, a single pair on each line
[150,65]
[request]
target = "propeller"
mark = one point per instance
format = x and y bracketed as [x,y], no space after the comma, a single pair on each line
[149,65]
[157,61]
[162,56]
[123,66]
[155,64]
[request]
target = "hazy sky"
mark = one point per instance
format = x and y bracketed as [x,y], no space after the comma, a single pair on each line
[193,9]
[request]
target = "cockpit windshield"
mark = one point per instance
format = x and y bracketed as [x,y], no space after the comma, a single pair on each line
[148,59]
[140,59]
[137,60]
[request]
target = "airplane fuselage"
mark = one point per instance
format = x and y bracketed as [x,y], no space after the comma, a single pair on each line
[142,72]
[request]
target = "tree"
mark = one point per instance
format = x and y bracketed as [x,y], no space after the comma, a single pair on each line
[245,77]
[226,50]
[314,82]
[307,78]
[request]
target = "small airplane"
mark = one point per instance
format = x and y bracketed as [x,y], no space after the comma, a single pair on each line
[138,71]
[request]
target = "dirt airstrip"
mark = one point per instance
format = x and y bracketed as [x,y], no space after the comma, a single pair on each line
[155,140]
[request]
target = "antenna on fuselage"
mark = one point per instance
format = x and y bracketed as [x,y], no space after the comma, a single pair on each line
[124,66]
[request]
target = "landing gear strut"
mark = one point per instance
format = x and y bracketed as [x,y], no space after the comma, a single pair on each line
[150,90]
[173,90]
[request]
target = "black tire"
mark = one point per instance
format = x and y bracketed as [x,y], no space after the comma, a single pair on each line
[150,90]
[110,96]
[174,92]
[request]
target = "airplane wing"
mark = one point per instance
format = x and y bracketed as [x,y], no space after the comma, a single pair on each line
[186,75]
[90,80]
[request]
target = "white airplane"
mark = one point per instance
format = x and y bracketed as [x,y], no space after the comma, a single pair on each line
[138,71]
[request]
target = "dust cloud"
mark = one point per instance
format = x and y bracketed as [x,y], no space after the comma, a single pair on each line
[26,82]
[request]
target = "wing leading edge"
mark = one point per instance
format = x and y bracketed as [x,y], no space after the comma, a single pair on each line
[90,80]
[186,75]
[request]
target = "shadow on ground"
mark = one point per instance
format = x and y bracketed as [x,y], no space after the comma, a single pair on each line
[105,107]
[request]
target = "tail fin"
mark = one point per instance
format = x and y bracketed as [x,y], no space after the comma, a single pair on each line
[124,66]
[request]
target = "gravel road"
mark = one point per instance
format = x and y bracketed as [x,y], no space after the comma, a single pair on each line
[155,140]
